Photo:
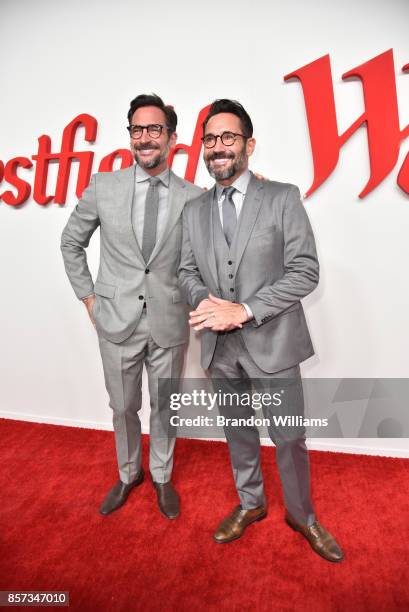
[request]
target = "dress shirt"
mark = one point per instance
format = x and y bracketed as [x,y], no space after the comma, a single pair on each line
[240,185]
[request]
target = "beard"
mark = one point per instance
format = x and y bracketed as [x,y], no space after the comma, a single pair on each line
[155,161]
[221,174]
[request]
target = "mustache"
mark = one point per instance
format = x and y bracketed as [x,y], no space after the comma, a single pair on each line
[146,145]
[221,155]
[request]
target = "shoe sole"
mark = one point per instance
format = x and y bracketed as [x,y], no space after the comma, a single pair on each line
[170,518]
[259,518]
[294,528]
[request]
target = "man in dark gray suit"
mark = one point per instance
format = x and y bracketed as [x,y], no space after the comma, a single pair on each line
[135,303]
[248,257]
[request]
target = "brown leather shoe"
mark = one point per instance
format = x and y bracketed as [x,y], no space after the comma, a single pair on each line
[168,499]
[321,541]
[233,526]
[118,495]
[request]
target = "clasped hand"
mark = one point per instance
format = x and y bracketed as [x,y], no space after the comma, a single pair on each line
[218,315]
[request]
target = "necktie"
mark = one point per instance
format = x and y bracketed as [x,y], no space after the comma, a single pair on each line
[151,218]
[229,214]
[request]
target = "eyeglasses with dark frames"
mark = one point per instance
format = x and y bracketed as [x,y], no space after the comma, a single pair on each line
[154,130]
[227,138]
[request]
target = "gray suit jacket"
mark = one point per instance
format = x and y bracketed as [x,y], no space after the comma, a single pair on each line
[275,266]
[124,280]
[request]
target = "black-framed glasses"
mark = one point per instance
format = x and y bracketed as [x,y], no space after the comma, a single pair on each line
[154,130]
[227,138]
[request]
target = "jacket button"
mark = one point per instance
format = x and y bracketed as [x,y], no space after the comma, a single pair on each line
[147,271]
[230,275]
[231,290]
[141,297]
[230,262]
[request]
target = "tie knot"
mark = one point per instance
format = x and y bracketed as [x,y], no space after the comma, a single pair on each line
[228,191]
[154,180]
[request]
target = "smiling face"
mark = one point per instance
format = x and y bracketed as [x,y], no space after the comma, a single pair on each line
[226,163]
[151,154]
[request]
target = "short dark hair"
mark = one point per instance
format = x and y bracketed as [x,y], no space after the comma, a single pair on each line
[223,105]
[154,100]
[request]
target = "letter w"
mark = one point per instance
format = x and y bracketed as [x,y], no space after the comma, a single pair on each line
[380,115]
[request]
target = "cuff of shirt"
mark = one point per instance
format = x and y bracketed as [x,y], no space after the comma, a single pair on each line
[248,310]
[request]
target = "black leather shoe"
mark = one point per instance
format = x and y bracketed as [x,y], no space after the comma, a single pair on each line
[168,499]
[321,541]
[118,495]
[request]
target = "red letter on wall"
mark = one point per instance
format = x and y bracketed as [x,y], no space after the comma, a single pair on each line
[10,175]
[107,162]
[65,158]
[380,115]
[193,150]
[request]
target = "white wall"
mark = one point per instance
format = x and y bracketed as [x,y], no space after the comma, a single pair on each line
[59,60]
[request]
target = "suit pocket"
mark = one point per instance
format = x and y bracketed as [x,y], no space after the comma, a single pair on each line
[104,289]
[264,231]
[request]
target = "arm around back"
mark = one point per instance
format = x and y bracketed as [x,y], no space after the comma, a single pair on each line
[190,280]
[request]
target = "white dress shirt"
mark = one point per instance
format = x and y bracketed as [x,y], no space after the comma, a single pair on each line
[240,185]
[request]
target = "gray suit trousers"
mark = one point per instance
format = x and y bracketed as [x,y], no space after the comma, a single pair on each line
[233,366]
[123,364]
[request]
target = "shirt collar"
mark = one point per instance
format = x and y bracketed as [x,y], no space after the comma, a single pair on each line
[241,184]
[141,175]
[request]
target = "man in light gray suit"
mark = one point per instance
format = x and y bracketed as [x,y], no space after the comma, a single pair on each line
[248,257]
[135,302]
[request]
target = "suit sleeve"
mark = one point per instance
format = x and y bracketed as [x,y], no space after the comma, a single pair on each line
[75,237]
[189,278]
[301,267]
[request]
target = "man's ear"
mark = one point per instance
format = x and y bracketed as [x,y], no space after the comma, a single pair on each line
[173,139]
[250,146]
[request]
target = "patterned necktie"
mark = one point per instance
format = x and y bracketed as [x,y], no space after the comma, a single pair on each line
[151,218]
[229,214]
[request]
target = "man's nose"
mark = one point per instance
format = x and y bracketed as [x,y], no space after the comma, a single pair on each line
[145,136]
[219,146]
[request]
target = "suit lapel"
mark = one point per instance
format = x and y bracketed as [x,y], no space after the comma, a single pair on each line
[207,235]
[176,201]
[249,213]
[125,192]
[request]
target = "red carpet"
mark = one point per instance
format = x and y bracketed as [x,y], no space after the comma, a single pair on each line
[52,537]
